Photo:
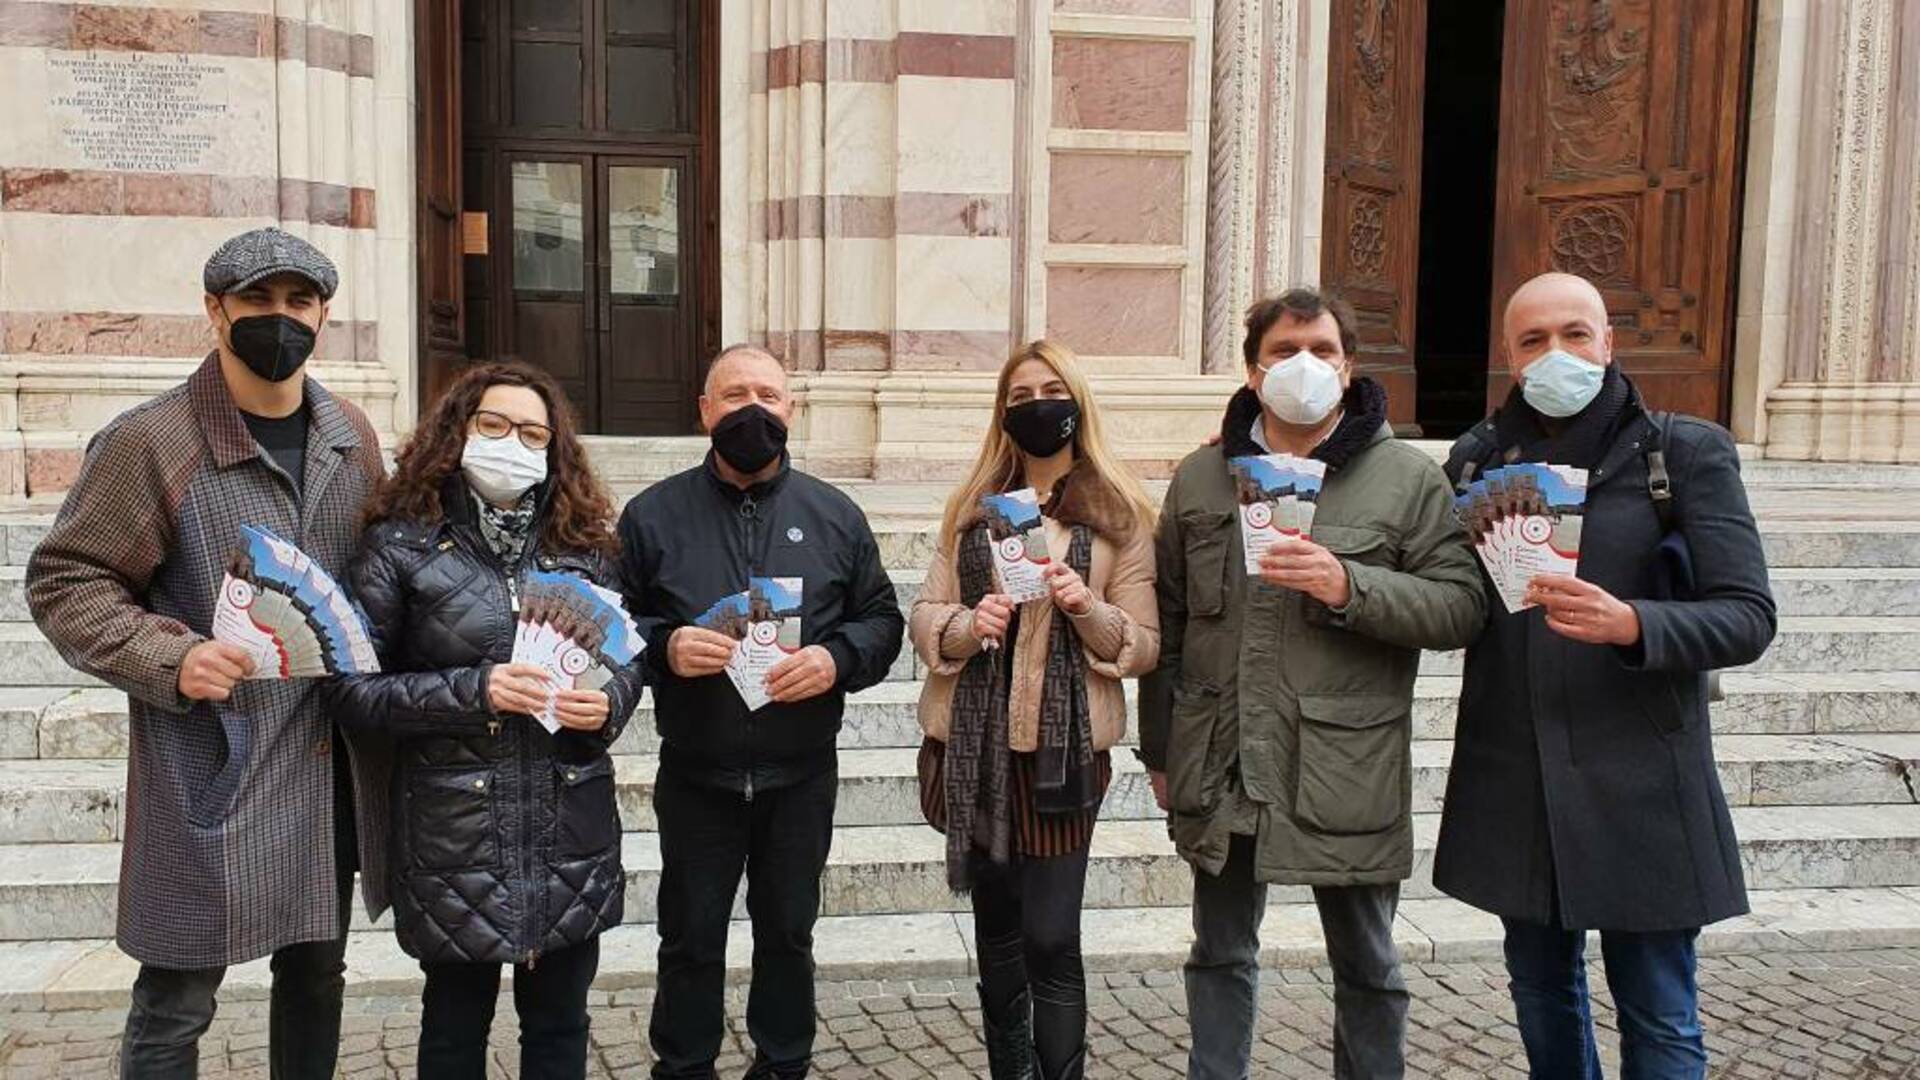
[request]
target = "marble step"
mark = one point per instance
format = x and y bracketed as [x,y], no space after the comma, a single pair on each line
[909,543]
[83,800]
[1811,643]
[905,528]
[90,973]
[62,722]
[1797,590]
[57,891]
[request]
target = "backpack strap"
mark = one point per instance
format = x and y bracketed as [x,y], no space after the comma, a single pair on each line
[1659,481]
[1481,452]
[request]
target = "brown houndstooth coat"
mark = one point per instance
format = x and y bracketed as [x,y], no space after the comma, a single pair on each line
[229,836]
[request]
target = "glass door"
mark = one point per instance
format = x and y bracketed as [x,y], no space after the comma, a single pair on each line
[644,329]
[550,203]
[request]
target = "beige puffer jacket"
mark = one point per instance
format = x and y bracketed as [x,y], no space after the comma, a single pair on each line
[1121,635]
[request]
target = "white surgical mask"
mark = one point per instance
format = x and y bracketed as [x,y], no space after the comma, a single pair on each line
[1301,389]
[501,470]
[1560,384]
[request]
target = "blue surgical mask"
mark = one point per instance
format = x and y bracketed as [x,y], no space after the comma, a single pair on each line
[1560,384]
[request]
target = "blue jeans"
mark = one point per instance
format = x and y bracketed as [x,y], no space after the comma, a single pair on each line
[1652,979]
[1223,973]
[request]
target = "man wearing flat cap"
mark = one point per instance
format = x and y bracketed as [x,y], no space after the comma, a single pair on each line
[241,839]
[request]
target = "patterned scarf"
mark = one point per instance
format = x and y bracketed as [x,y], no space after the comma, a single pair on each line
[979,763]
[506,531]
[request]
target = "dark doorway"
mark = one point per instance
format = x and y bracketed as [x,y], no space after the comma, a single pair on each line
[583,174]
[1460,160]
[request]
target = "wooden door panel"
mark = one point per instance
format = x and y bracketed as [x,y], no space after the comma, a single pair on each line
[1370,245]
[1620,134]
[646,388]
[437,56]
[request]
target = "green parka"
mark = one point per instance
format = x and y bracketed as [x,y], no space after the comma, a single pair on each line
[1309,708]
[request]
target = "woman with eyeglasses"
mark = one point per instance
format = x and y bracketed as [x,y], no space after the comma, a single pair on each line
[505,843]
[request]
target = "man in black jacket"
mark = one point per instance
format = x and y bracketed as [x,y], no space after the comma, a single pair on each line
[1583,794]
[741,790]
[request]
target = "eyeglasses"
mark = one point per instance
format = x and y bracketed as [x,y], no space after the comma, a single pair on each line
[492,425]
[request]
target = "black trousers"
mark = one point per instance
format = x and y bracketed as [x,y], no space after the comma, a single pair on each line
[1026,932]
[173,1007]
[550,998]
[708,838]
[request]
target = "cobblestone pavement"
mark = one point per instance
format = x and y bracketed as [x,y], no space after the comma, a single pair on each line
[1850,1014]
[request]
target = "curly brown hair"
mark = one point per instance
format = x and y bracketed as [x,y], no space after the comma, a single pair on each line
[579,514]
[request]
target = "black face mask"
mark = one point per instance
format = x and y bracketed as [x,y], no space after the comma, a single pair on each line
[1043,426]
[274,347]
[750,438]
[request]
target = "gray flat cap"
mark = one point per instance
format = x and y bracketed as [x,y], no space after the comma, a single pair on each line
[260,254]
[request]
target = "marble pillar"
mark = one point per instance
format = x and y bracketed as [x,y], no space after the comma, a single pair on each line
[1830,297]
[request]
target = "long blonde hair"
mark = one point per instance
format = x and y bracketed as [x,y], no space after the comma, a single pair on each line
[999,461]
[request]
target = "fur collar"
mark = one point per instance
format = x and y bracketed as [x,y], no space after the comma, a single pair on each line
[1082,497]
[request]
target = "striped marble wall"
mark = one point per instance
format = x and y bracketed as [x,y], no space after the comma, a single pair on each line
[134,138]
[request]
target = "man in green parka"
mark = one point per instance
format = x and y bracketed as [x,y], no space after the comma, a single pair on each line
[1277,727]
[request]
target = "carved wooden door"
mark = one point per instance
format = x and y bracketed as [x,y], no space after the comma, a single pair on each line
[1370,246]
[1619,161]
[442,308]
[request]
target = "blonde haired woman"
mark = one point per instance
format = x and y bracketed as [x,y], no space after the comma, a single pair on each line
[1021,703]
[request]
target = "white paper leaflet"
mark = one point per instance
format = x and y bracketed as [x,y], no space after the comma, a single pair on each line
[1524,520]
[764,623]
[1018,537]
[1277,494]
[578,631]
[289,614]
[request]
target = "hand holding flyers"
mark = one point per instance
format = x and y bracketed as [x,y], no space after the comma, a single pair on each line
[1524,521]
[576,633]
[289,616]
[1584,611]
[764,624]
[1299,564]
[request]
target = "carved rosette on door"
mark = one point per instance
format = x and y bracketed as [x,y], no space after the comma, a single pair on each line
[1619,161]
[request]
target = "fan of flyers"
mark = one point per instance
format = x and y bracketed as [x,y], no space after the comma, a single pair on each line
[1277,495]
[289,614]
[576,630]
[1018,537]
[764,621]
[1524,520]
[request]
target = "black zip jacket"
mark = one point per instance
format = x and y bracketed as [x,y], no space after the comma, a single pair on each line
[692,539]
[505,839]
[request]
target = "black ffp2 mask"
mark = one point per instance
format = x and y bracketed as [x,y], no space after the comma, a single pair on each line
[749,439]
[274,347]
[1043,426]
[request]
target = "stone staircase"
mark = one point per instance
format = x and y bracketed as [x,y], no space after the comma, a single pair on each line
[1818,744]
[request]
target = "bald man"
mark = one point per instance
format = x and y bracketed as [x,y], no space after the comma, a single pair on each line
[1583,794]
[741,790]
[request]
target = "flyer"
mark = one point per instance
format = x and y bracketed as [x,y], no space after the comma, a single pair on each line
[1018,536]
[1524,520]
[288,613]
[576,630]
[773,615]
[1278,494]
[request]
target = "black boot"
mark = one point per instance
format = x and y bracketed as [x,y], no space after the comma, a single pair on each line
[1010,1039]
[1075,1068]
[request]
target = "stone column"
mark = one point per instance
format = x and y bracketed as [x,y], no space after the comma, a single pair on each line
[1267,157]
[1830,308]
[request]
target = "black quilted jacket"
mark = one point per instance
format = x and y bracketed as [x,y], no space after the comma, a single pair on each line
[506,840]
